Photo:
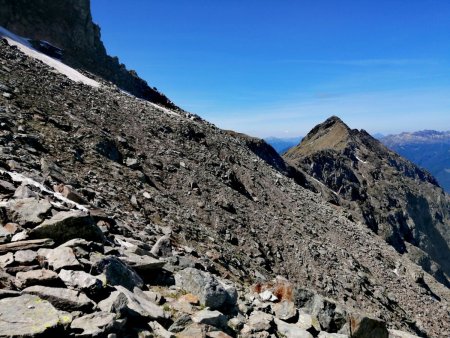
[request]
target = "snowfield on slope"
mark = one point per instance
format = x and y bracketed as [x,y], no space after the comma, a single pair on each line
[25,46]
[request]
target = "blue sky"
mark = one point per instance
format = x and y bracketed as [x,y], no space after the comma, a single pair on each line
[277,68]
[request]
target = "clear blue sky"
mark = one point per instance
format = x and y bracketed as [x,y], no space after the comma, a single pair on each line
[277,68]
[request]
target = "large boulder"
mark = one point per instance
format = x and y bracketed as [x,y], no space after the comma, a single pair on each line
[332,316]
[258,322]
[62,258]
[362,326]
[131,304]
[208,317]
[29,316]
[66,225]
[117,272]
[80,280]
[28,211]
[63,299]
[97,324]
[141,263]
[210,291]
[36,277]
[285,310]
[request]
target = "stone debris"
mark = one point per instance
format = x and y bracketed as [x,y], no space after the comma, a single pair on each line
[121,219]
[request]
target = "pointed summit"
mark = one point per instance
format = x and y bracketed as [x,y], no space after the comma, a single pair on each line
[333,133]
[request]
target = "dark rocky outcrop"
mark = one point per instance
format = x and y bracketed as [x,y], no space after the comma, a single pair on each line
[67,24]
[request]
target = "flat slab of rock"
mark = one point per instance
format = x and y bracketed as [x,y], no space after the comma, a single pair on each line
[67,225]
[80,280]
[63,299]
[142,263]
[28,244]
[160,331]
[28,211]
[134,304]
[35,277]
[5,293]
[25,257]
[27,316]
[213,318]
[62,258]
[94,324]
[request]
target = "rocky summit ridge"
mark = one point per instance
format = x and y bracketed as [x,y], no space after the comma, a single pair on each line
[122,218]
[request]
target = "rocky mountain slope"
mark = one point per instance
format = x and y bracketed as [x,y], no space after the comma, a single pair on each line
[429,149]
[122,217]
[68,26]
[393,197]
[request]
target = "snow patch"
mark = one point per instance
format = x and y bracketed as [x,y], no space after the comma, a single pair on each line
[360,159]
[16,177]
[25,47]
[165,110]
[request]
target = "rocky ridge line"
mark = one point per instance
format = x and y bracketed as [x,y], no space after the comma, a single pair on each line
[176,206]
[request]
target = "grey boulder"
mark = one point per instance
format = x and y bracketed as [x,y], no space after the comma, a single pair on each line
[28,211]
[34,277]
[62,258]
[133,304]
[118,273]
[80,280]
[208,317]
[66,225]
[205,286]
[141,263]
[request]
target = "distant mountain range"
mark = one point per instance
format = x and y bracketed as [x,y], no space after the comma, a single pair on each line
[281,145]
[428,149]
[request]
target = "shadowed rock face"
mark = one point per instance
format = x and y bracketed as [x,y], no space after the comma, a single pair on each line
[67,24]
[393,197]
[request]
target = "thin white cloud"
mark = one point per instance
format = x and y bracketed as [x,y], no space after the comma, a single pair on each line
[387,112]
[364,62]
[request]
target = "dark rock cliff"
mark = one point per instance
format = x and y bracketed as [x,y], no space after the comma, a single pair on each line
[67,24]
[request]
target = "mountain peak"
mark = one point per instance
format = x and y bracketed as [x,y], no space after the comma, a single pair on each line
[333,133]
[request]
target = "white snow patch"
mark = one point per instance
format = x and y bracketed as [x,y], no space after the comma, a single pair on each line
[25,46]
[360,159]
[165,110]
[16,177]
